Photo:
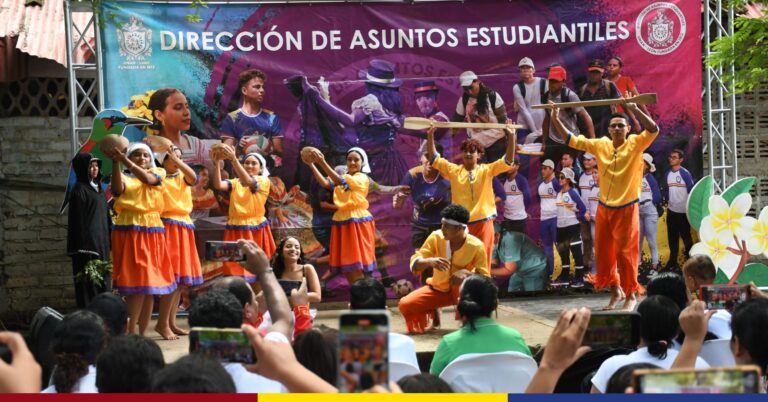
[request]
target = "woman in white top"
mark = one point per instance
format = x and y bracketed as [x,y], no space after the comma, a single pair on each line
[659,325]
[77,341]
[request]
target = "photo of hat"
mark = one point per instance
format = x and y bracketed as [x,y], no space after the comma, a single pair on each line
[548,163]
[381,73]
[466,78]
[596,65]
[569,174]
[588,155]
[425,86]
[557,73]
[649,160]
[526,61]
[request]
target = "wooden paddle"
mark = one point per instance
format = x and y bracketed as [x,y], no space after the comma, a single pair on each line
[420,123]
[643,99]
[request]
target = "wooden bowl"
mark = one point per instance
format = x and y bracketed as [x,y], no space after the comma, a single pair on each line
[306,154]
[110,142]
[158,143]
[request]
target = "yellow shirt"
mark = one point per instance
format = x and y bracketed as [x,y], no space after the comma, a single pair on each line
[621,169]
[351,198]
[246,205]
[471,256]
[140,204]
[474,192]
[177,198]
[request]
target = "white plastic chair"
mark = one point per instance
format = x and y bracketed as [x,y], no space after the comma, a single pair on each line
[717,353]
[398,370]
[503,372]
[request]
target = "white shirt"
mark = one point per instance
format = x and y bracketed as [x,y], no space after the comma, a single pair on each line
[402,349]
[486,137]
[85,385]
[720,325]
[593,201]
[251,383]
[548,200]
[641,355]
[566,210]
[514,205]
[586,181]
[526,115]
[678,192]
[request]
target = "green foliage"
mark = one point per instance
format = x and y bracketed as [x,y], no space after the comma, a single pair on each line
[698,201]
[746,50]
[95,271]
[754,272]
[741,186]
[113,19]
[720,278]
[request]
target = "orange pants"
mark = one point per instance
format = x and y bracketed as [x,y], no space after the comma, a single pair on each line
[484,231]
[418,307]
[617,239]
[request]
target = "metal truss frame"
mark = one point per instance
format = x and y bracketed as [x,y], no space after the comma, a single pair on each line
[719,99]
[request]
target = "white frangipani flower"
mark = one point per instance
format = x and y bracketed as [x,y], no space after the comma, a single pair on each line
[729,217]
[715,245]
[755,233]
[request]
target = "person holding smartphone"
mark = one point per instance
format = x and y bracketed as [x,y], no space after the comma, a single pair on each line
[453,254]
[289,266]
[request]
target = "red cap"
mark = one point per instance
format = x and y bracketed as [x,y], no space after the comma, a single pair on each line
[557,73]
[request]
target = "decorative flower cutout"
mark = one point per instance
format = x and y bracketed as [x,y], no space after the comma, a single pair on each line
[729,218]
[755,233]
[716,245]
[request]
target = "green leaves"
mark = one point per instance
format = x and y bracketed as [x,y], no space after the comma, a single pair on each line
[746,51]
[754,272]
[741,186]
[698,202]
[94,272]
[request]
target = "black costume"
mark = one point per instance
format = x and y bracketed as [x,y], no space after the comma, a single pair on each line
[88,231]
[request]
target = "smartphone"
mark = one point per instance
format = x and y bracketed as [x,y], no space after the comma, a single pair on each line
[729,380]
[723,296]
[617,329]
[363,350]
[223,251]
[289,285]
[228,345]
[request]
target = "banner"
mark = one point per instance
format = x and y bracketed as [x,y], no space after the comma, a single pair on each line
[151,46]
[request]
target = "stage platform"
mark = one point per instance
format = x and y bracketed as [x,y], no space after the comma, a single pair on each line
[534,317]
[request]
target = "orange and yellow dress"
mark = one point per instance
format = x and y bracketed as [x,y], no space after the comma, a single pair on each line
[247,221]
[353,231]
[138,239]
[180,249]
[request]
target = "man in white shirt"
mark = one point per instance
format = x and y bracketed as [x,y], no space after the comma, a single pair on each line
[679,183]
[528,92]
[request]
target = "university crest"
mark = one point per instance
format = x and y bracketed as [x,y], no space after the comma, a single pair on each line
[135,40]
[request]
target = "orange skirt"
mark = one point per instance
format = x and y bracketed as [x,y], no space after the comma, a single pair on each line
[484,231]
[262,236]
[137,262]
[181,253]
[353,246]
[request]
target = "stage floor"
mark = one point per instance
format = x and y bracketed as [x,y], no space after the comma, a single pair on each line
[534,317]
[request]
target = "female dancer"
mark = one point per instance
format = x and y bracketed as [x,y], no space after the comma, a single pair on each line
[180,250]
[170,112]
[248,195]
[353,244]
[138,240]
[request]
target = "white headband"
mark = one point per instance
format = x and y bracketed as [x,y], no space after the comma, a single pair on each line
[453,222]
[140,145]
[365,168]
[262,161]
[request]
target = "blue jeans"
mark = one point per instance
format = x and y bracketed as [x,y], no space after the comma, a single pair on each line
[548,237]
[649,222]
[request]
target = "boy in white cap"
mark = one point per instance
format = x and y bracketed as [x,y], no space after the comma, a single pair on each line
[528,92]
[570,211]
[548,189]
[480,104]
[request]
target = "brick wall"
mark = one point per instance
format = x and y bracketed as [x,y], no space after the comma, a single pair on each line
[34,268]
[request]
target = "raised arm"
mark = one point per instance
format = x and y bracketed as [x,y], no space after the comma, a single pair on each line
[244,177]
[216,181]
[645,120]
[116,186]
[509,156]
[554,117]
[189,175]
[431,149]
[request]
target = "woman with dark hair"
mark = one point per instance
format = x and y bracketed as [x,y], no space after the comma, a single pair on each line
[316,350]
[659,326]
[288,264]
[77,341]
[479,333]
[204,202]
[170,112]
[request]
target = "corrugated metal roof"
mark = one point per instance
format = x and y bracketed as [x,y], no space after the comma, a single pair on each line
[40,29]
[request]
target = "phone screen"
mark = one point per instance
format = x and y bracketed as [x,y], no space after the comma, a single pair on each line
[725,297]
[613,329]
[223,251]
[363,350]
[733,380]
[229,345]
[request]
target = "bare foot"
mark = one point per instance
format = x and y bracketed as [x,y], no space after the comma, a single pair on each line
[179,331]
[622,296]
[435,321]
[629,303]
[166,333]
[616,296]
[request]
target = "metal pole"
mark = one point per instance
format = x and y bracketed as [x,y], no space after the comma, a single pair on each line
[71,76]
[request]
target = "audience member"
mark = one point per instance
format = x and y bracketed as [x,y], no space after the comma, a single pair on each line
[193,374]
[622,378]
[424,384]
[479,333]
[22,374]
[77,342]
[750,325]
[698,271]
[316,350]
[113,310]
[128,365]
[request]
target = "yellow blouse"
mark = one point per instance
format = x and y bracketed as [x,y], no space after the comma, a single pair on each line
[177,197]
[351,198]
[473,190]
[140,204]
[471,256]
[246,205]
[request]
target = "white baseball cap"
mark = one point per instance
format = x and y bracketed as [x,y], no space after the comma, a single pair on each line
[526,61]
[569,174]
[588,155]
[649,160]
[548,163]
[466,78]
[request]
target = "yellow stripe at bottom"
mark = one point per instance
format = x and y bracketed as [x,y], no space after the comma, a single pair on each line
[382,397]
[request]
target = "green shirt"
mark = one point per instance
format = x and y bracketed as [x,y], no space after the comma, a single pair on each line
[490,337]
